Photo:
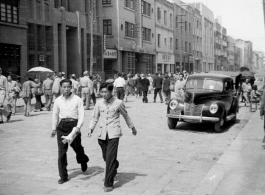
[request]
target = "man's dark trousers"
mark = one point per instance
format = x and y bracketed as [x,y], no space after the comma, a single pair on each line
[109,149]
[64,128]
[120,93]
[145,96]
[160,94]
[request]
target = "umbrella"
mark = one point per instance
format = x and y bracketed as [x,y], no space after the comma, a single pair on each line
[39,69]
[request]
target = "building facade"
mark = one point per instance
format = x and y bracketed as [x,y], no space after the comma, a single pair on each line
[165,59]
[238,58]
[258,61]
[129,32]
[246,57]
[207,37]
[231,54]
[55,34]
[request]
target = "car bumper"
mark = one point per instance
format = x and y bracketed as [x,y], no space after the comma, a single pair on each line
[194,118]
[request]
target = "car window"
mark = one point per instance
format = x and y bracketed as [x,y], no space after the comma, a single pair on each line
[228,85]
[204,83]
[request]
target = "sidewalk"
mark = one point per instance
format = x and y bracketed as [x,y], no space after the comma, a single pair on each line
[240,170]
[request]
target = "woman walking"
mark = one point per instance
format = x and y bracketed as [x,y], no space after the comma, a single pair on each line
[38,94]
[27,95]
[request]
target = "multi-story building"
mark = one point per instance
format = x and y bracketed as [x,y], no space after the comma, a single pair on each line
[246,57]
[207,36]
[238,54]
[13,36]
[261,60]
[197,40]
[258,61]
[217,45]
[224,61]
[52,33]
[129,29]
[231,54]
[165,59]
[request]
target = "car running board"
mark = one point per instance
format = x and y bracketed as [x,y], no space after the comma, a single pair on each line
[230,117]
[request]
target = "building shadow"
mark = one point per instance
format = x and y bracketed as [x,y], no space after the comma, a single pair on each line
[123,178]
[91,172]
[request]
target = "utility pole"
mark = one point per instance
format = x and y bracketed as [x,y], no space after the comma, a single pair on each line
[92,4]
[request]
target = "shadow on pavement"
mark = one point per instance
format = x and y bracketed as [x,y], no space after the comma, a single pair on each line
[91,172]
[12,121]
[124,178]
[202,128]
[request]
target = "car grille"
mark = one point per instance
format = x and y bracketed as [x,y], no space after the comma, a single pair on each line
[192,109]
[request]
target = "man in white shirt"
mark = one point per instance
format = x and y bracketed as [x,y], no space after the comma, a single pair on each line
[68,112]
[86,89]
[119,85]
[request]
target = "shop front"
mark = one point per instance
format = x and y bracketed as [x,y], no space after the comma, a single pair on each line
[110,57]
[165,63]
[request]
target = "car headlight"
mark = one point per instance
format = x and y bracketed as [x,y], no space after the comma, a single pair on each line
[173,104]
[213,108]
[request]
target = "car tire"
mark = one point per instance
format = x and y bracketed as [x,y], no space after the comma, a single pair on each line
[218,126]
[172,123]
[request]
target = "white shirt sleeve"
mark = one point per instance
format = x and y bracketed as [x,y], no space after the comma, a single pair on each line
[81,113]
[55,115]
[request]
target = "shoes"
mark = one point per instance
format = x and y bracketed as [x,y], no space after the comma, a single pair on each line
[154,101]
[41,110]
[1,122]
[8,117]
[108,189]
[161,102]
[61,181]
[84,167]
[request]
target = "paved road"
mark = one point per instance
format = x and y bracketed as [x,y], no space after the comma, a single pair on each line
[156,161]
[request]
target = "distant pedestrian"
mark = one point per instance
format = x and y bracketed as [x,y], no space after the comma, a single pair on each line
[157,85]
[179,86]
[38,93]
[27,95]
[145,86]
[68,112]
[4,97]
[47,89]
[151,83]
[14,91]
[166,88]
[119,85]
[75,85]
[86,89]
[108,111]
[138,86]
[93,85]
[56,90]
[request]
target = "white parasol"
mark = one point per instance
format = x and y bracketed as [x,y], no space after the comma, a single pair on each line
[39,69]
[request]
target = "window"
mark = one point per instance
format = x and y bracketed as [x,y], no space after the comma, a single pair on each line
[190,47]
[165,17]
[177,44]
[146,8]
[165,41]
[9,11]
[129,29]
[185,25]
[106,2]
[182,45]
[158,40]
[38,9]
[185,47]
[146,34]
[129,4]
[158,13]
[107,27]
[47,12]
[190,27]
[171,43]
[170,20]
[177,22]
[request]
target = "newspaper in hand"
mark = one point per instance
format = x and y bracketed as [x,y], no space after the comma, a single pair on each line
[70,138]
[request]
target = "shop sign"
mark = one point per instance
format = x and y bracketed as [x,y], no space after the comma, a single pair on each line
[110,54]
[166,58]
[71,18]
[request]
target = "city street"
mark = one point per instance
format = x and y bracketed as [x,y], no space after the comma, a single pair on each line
[156,161]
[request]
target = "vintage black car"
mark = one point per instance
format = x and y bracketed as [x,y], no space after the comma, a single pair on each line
[208,98]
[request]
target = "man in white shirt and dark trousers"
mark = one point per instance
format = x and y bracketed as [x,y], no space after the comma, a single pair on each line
[119,84]
[68,112]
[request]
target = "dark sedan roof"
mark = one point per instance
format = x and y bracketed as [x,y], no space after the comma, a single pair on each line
[210,75]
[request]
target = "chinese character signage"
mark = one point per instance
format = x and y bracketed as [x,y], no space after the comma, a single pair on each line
[110,54]
[166,58]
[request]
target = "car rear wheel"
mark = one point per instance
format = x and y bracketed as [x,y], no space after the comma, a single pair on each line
[172,123]
[218,126]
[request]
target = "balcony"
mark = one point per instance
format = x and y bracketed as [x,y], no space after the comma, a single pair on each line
[224,43]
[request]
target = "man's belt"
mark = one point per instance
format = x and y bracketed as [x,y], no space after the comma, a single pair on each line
[47,89]
[68,119]
[84,86]
[120,87]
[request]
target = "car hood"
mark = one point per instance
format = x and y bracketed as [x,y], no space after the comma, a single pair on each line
[200,96]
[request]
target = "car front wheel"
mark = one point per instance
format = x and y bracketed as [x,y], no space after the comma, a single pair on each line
[218,126]
[172,123]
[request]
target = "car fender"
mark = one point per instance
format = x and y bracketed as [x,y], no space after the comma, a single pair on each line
[235,105]
[180,105]
[219,113]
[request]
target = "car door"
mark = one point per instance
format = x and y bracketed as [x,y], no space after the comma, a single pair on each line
[228,94]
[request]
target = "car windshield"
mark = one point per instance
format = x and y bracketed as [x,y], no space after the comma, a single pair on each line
[204,83]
